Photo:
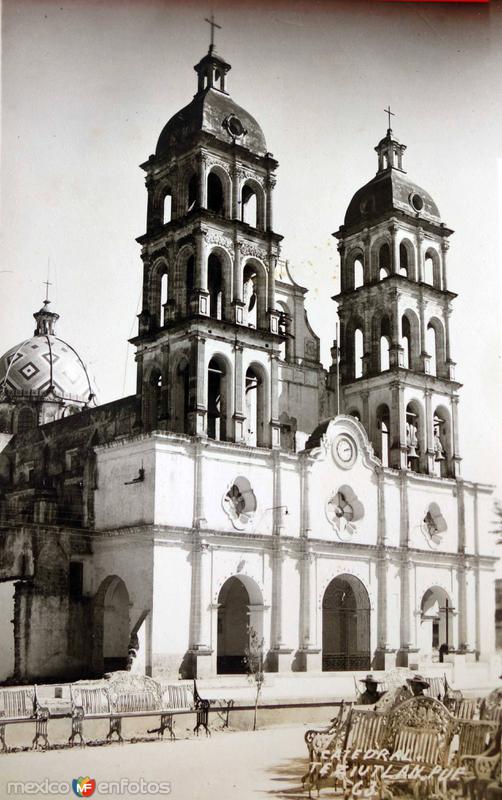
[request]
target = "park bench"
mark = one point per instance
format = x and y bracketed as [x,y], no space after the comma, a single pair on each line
[417,733]
[318,740]
[135,696]
[485,768]
[23,704]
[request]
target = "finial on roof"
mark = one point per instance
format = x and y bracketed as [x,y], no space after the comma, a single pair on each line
[213,25]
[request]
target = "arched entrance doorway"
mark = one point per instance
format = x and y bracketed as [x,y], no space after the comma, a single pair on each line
[345,625]
[436,620]
[112,626]
[240,605]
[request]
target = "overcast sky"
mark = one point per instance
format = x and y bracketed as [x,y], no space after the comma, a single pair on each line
[88,86]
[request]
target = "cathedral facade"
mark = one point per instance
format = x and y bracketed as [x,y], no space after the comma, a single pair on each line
[243,486]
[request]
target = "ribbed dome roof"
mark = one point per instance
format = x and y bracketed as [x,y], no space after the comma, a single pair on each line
[389,191]
[45,365]
[209,111]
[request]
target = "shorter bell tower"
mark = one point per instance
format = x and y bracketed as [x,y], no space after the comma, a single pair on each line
[394,306]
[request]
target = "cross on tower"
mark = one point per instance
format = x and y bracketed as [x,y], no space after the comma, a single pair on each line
[47,283]
[389,114]
[213,25]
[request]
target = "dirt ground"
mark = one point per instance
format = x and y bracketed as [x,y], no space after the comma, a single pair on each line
[243,765]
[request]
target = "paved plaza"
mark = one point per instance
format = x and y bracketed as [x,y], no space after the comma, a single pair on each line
[230,764]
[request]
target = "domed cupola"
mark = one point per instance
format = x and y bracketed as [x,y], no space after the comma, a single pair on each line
[391,190]
[212,111]
[42,378]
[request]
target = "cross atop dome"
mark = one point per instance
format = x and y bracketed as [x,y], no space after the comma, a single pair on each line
[390,151]
[212,69]
[213,25]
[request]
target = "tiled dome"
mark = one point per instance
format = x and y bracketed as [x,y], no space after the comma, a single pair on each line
[45,365]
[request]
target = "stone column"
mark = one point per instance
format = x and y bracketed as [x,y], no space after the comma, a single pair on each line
[346,282]
[197,386]
[429,432]
[406,648]
[425,358]
[445,246]
[269,218]
[235,175]
[455,466]
[366,238]
[202,179]
[165,388]
[273,314]
[368,359]
[239,415]
[399,449]
[420,255]
[366,412]
[200,648]
[394,250]
[463,637]
[280,654]
[275,425]
[202,296]
[449,370]
[396,351]
[238,302]
[309,654]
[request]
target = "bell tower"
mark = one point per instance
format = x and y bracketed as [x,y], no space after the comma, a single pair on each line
[396,370]
[209,337]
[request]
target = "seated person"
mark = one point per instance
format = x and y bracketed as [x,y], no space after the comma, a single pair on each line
[371,694]
[418,685]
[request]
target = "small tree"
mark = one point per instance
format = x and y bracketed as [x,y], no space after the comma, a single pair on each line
[253,660]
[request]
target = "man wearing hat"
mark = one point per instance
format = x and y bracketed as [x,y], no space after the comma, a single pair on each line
[418,685]
[371,693]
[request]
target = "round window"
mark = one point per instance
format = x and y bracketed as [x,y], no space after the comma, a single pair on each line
[417,202]
[235,126]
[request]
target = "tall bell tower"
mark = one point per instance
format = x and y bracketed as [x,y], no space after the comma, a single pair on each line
[396,370]
[209,335]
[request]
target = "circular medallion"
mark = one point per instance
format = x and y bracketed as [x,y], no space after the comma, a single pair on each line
[344,451]
[234,126]
[416,201]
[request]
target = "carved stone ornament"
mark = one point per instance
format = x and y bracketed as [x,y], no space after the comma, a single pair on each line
[214,237]
[433,526]
[239,503]
[249,249]
[343,509]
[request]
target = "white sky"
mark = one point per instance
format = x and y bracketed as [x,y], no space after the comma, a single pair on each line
[88,86]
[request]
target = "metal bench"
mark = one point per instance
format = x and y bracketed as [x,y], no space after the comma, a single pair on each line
[319,740]
[135,696]
[23,704]
[362,730]
[89,702]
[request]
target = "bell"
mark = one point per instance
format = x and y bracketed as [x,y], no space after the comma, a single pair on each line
[439,456]
[412,451]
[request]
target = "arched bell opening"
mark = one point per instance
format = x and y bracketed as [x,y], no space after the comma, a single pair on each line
[218,399]
[256,418]
[152,399]
[410,339]
[215,286]
[345,625]
[442,442]
[415,436]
